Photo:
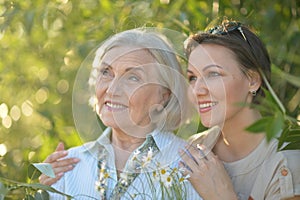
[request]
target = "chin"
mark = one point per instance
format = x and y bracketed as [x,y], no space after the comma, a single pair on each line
[209,124]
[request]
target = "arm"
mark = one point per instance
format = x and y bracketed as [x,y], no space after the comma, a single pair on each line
[59,165]
[207,174]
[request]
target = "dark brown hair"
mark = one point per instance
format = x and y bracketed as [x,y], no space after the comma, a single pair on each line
[248,49]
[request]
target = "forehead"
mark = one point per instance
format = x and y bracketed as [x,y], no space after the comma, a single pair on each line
[128,55]
[209,54]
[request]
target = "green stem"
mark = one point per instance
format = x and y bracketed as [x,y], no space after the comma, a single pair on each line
[272,92]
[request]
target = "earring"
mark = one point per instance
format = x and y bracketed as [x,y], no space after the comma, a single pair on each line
[253,93]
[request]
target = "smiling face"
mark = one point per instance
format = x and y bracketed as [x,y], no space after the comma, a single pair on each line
[217,85]
[127,89]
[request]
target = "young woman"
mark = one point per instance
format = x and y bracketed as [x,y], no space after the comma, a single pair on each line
[224,72]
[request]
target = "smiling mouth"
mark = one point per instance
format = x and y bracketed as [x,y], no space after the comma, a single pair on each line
[115,106]
[207,105]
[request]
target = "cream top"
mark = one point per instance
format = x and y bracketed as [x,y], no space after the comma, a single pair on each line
[263,174]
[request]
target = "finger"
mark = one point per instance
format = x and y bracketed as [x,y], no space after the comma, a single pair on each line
[208,153]
[43,179]
[185,166]
[60,147]
[188,152]
[63,169]
[65,162]
[201,151]
[198,155]
[188,160]
[56,156]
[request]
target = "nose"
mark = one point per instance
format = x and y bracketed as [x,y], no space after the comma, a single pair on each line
[114,87]
[200,87]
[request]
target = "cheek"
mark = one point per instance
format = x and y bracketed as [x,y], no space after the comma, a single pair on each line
[237,92]
[100,92]
[143,98]
[218,89]
[191,95]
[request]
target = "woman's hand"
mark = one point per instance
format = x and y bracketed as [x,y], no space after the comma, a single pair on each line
[207,173]
[59,165]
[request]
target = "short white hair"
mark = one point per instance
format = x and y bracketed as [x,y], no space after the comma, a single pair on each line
[177,109]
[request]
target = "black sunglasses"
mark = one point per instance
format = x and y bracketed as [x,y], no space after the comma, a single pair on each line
[227,27]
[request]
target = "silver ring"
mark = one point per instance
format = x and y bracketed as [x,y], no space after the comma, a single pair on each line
[201,152]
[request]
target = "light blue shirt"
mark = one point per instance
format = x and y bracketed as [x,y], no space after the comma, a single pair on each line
[80,182]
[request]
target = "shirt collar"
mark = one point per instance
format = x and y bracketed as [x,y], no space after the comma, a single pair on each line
[160,138]
[103,140]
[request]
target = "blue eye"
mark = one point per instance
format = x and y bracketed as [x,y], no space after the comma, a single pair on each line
[105,72]
[192,79]
[133,78]
[213,74]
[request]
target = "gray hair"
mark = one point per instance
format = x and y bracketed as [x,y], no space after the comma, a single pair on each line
[177,109]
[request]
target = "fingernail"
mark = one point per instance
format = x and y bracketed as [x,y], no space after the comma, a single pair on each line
[202,147]
[65,152]
[76,160]
[60,174]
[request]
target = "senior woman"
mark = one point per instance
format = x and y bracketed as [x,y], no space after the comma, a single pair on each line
[141,99]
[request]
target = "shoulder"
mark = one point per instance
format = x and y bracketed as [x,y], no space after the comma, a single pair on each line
[290,168]
[287,158]
[283,163]
[280,173]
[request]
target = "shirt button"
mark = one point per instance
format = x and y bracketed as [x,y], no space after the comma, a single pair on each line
[284,172]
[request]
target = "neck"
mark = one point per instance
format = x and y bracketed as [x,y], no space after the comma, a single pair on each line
[123,145]
[125,141]
[235,142]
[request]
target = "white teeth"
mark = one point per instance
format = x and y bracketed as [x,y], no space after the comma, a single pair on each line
[206,105]
[116,106]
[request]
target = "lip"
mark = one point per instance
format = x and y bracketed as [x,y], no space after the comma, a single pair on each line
[206,106]
[114,106]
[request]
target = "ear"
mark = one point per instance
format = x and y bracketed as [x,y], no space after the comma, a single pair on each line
[254,81]
[166,93]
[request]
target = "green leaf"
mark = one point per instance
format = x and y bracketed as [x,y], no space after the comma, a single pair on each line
[35,170]
[293,135]
[3,190]
[33,173]
[283,136]
[294,80]
[34,186]
[292,145]
[275,127]
[41,195]
[29,197]
[260,125]
[293,138]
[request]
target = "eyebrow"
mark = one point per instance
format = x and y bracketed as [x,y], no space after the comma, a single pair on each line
[104,64]
[212,65]
[134,69]
[207,67]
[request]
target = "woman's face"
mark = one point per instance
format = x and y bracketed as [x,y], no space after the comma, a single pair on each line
[127,89]
[217,84]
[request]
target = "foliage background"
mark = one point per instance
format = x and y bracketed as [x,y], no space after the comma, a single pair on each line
[43,42]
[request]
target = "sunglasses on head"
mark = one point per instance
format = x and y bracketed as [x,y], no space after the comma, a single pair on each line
[227,27]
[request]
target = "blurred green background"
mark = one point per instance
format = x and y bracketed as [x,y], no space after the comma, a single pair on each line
[42,44]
